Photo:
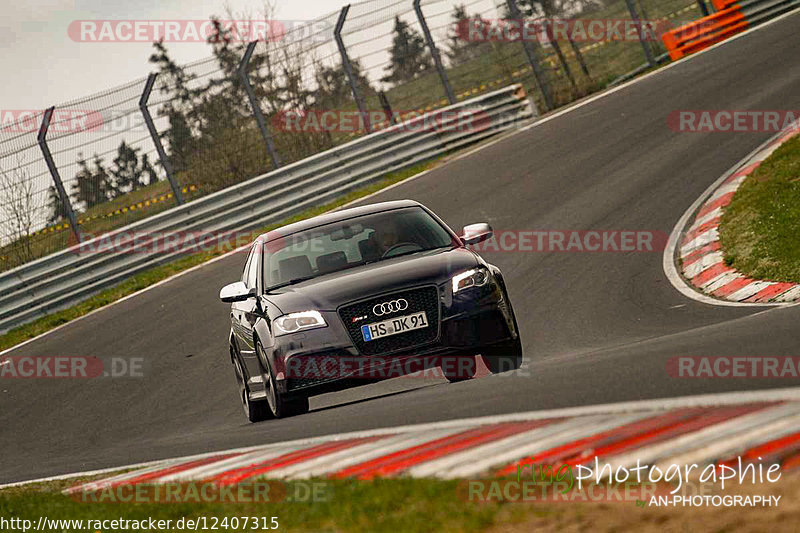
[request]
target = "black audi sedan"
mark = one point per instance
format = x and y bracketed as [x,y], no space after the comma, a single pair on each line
[360,295]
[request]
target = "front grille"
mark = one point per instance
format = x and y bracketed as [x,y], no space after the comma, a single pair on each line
[424,299]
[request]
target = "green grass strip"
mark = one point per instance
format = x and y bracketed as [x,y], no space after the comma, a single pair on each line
[760,229]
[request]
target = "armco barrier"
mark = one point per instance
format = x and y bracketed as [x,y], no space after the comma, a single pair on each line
[731,18]
[62,279]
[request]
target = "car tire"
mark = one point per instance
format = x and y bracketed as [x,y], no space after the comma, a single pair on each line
[507,356]
[504,357]
[254,410]
[454,370]
[279,405]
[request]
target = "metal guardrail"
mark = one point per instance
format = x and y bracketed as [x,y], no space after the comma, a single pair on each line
[64,278]
[758,11]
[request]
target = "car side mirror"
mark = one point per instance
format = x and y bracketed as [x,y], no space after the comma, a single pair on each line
[475,233]
[236,292]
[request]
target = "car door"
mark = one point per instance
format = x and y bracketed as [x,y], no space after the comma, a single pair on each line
[247,313]
[238,313]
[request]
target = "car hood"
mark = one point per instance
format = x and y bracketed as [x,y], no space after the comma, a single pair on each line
[327,292]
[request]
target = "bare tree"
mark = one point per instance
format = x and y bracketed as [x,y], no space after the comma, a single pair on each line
[17,211]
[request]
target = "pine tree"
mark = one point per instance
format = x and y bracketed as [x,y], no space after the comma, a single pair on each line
[459,48]
[92,185]
[126,171]
[408,56]
[180,108]
[333,88]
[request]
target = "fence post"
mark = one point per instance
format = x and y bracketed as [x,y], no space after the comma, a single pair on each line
[703,7]
[348,68]
[262,125]
[648,53]
[554,43]
[576,49]
[437,59]
[51,166]
[162,155]
[532,59]
[564,65]
[391,118]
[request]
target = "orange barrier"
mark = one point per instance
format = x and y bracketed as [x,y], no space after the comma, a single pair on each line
[721,5]
[709,30]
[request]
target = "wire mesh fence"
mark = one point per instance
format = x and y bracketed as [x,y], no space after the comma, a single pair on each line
[314,85]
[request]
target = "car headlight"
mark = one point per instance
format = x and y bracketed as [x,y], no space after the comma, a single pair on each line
[476,277]
[294,322]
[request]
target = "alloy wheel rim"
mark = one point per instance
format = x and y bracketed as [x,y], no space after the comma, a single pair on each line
[269,385]
[244,396]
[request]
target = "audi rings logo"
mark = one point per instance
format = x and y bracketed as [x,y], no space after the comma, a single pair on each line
[386,308]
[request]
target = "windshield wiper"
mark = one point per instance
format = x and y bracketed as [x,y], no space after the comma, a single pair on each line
[289,282]
[416,252]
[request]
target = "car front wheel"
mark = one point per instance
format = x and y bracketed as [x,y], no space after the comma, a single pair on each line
[280,406]
[504,357]
[254,410]
[458,368]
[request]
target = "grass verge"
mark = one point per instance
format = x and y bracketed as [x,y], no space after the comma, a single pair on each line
[405,504]
[156,274]
[759,229]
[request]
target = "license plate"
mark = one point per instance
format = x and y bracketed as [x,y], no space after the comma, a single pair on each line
[393,326]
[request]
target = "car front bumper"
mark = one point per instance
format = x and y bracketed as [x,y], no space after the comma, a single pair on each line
[326,359]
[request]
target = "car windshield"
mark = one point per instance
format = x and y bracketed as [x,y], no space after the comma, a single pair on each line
[352,242]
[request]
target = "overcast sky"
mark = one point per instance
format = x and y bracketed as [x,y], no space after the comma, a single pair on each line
[43,66]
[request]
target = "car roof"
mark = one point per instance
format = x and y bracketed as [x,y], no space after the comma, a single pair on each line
[335,216]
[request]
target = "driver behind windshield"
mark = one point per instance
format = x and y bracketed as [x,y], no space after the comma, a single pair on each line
[385,235]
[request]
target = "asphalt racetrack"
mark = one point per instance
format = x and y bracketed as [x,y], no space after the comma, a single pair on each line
[597,327]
